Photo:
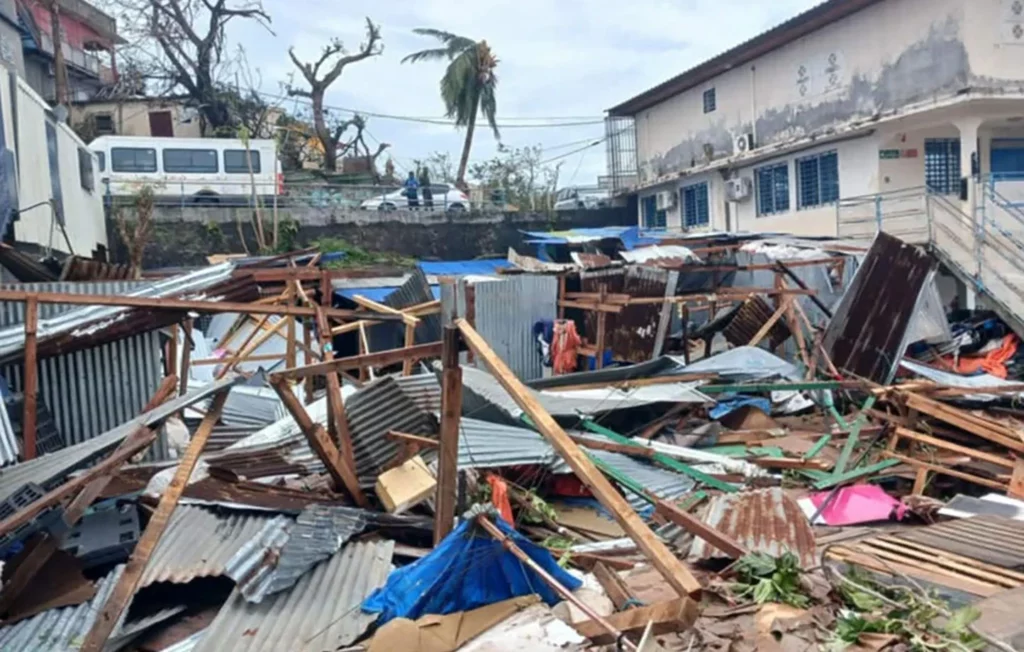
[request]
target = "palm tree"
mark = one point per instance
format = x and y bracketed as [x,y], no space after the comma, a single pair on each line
[467,86]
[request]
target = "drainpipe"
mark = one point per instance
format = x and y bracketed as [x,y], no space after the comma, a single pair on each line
[753,104]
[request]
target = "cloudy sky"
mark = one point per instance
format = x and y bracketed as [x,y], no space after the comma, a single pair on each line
[558,58]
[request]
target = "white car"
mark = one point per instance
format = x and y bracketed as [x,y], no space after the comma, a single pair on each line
[445,197]
[568,199]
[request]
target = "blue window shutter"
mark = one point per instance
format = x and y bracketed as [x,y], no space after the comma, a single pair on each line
[829,177]
[54,161]
[781,181]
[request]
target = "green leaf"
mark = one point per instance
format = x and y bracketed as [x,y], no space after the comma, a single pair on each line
[961,620]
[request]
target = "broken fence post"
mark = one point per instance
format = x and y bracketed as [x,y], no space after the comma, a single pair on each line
[451,412]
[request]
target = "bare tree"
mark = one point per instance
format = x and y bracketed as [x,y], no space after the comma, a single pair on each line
[136,233]
[323,72]
[181,43]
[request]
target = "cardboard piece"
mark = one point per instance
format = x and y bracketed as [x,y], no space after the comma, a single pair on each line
[434,633]
[405,486]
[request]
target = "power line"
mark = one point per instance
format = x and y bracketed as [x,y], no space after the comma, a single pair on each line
[575,151]
[441,121]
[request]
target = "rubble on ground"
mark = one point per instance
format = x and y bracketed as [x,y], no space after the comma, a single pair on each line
[730,443]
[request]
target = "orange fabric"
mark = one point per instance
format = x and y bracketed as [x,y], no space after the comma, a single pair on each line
[565,344]
[499,497]
[993,362]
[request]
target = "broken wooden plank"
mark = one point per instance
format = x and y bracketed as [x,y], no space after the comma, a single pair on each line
[319,441]
[674,571]
[614,586]
[378,359]
[370,304]
[667,617]
[767,327]
[123,591]
[451,414]
[700,529]
[984,428]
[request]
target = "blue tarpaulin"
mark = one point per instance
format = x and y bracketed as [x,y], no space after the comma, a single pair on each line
[467,570]
[730,402]
[487,267]
[378,294]
[630,236]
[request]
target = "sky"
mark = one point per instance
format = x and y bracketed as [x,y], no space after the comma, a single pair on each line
[570,59]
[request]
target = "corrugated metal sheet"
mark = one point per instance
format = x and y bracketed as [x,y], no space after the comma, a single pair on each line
[423,389]
[50,470]
[8,439]
[414,290]
[506,311]
[765,521]
[322,612]
[285,550]
[186,645]
[91,391]
[374,410]
[483,444]
[991,539]
[660,482]
[199,542]
[748,321]
[868,332]
[677,254]
[637,333]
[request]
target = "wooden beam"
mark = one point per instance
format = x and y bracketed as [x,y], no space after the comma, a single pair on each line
[592,306]
[984,428]
[942,470]
[129,580]
[186,357]
[251,346]
[665,617]
[351,326]
[370,304]
[337,419]
[181,305]
[677,575]
[419,440]
[320,442]
[31,385]
[1016,488]
[307,342]
[700,529]
[378,359]
[613,585]
[602,330]
[424,309]
[973,453]
[171,364]
[448,457]
[410,341]
[767,327]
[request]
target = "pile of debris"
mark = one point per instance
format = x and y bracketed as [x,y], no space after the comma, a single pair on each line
[755,444]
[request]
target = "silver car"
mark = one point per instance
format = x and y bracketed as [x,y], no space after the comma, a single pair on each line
[444,197]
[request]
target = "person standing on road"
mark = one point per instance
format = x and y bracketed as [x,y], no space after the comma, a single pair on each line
[411,188]
[428,194]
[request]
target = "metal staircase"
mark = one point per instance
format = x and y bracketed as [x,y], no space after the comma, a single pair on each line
[986,254]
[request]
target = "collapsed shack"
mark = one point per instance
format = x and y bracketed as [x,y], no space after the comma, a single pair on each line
[727,445]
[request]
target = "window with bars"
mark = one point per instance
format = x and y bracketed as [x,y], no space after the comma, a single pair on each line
[710,103]
[772,188]
[942,165]
[652,217]
[695,205]
[817,179]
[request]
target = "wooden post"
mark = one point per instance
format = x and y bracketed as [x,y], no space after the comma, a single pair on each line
[291,359]
[186,357]
[31,386]
[713,310]
[602,326]
[561,296]
[685,318]
[250,347]
[307,342]
[344,476]
[336,417]
[451,412]
[675,573]
[365,372]
[410,341]
[326,300]
[171,366]
[129,580]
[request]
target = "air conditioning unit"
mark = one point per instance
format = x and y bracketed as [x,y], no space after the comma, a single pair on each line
[743,143]
[666,199]
[739,189]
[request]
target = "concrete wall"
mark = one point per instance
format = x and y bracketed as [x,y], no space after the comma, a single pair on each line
[11,54]
[132,118]
[185,236]
[876,61]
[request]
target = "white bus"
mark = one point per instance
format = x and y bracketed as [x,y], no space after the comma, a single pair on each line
[188,170]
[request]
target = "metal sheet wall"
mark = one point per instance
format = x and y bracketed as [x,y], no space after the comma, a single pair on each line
[90,392]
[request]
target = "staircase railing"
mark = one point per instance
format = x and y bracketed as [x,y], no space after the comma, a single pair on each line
[902,213]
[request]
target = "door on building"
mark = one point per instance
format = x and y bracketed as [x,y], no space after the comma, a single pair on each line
[161,125]
[1007,166]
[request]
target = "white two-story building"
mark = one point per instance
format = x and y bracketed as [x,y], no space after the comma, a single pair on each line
[849,99]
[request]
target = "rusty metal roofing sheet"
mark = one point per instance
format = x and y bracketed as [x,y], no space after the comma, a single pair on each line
[748,321]
[765,520]
[199,542]
[991,539]
[423,389]
[868,332]
[636,334]
[322,612]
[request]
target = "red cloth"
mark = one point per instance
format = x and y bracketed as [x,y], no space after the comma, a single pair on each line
[499,497]
[565,344]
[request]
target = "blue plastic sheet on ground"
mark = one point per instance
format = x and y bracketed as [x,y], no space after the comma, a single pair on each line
[467,570]
[727,404]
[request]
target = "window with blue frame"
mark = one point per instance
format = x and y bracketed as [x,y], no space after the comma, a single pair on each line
[694,204]
[772,188]
[710,101]
[1007,158]
[942,165]
[652,217]
[817,178]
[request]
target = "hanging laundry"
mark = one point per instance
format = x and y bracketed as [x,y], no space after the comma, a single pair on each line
[543,332]
[499,497]
[565,346]
[991,361]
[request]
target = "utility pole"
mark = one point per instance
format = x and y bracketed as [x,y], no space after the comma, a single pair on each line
[60,71]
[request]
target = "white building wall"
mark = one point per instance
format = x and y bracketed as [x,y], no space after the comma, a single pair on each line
[83,210]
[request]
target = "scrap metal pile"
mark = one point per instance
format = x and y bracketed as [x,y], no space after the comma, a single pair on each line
[735,444]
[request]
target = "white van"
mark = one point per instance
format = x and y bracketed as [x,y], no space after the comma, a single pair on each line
[188,170]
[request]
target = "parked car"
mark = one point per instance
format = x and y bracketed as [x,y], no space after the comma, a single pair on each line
[568,199]
[445,197]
